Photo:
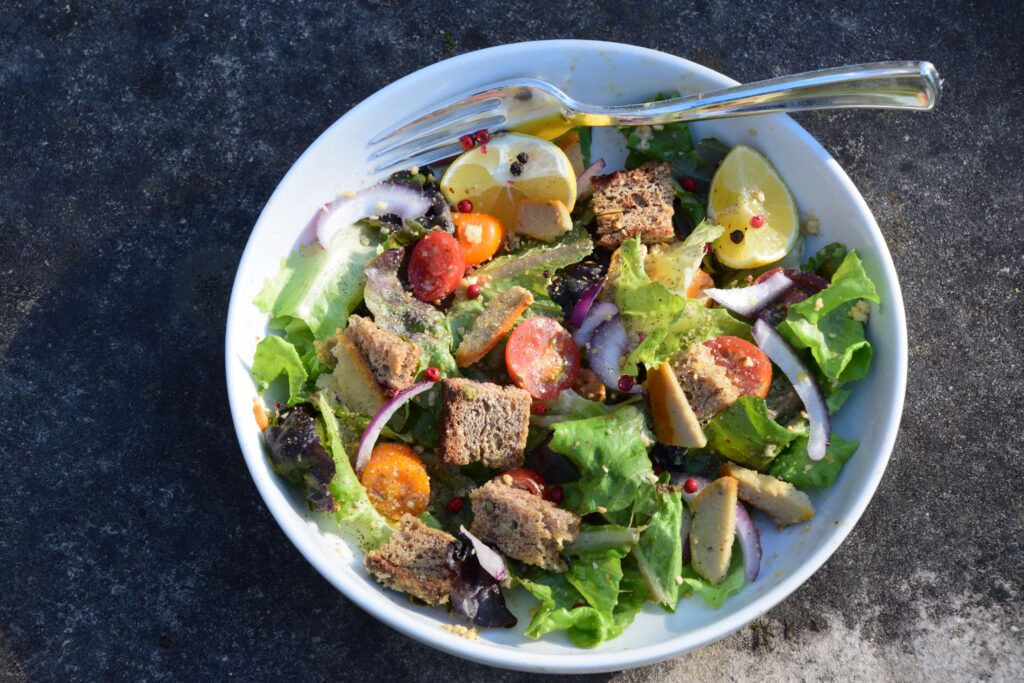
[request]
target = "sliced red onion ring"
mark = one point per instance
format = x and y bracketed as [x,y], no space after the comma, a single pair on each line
[586,300]
[812,283]
[746,532]
[783,355]
[750,542]
[600,313]
[372,432]
[584,188]
[748,301]
[489,559]
[605,351]
[383,198]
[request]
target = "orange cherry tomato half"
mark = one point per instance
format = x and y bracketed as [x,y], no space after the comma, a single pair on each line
[542,357]
[745,364]
[528,480]
[698,284]
[436,266]
[479,235]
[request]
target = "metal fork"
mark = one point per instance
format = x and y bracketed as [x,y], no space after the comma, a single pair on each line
[534,106]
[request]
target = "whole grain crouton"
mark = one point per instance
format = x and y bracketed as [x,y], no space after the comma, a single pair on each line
[705,383]
[498,317]
[637,202]
[414,561]
[523,525]
[483,422]
[393,360]
[783,502]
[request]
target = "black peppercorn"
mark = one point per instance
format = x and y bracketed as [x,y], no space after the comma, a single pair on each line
[736,236]
[523,157]
[516,168]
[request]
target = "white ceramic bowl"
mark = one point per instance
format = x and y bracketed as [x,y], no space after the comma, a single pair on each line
[612,74]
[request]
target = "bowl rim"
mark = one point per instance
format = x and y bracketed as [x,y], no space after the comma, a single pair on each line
[581,661]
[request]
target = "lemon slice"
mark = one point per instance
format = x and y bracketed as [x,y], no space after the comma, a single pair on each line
[494,176]
[750,200]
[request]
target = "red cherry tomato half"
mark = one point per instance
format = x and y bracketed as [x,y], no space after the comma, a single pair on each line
[745,364]
[436,266]
[528,480]
[542,357]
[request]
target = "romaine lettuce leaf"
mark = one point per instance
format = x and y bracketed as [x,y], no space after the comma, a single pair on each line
[610,453]
[319,287]
[525,268]
[355,509]
[398,311]
[274,357]
[746,434]
[715,596]
[796,467]
[823,323]
[569,405]
[581,601]
[659,553]
[665,322]
[673,265]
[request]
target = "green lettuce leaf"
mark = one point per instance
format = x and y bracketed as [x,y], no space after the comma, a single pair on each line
[673,265]
[796,467]
[524,268]
[582,601]
[321,288]
[275,357]
[610,452]
[823,323]
[746,434]
[827,261]
[633,595]
[355,510]
[569,405]
[398,311]
[665,322]
[659,553]
[715,596]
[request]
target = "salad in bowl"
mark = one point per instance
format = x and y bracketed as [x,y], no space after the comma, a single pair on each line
[530,372]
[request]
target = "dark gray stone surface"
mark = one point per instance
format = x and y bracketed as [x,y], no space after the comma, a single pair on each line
[138,142]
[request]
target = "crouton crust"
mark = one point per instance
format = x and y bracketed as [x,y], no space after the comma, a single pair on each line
[483,422]
[637,202]
[705,383]
[523,525]
[414,561]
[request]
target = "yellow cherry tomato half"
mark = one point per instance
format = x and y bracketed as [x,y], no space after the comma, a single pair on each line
[479,236]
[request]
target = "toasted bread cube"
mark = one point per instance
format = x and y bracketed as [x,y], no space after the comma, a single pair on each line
[522,525]
[675,423]
[394,361]
[352,382]
[544,221]
[483,422]
[706,384]
[414,561]
[783,502]
[713,529]
[637,202]
[498,317]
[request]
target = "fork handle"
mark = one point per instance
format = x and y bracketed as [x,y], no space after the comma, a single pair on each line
[883,85]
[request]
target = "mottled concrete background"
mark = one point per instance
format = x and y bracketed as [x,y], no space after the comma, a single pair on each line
[138,142]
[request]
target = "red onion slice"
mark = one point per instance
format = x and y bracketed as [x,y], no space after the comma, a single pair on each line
[749,301]
[584,188]
[605,351]
[372,432]
[489,559]
[750,542]
[383,198]
[586,300]
[783,355]
[600,313]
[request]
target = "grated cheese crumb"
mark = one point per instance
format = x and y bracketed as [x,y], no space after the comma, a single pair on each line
[819,304]
[460,630]
[473,233]
[348,193]
[860,311]
[679,580]
[813,226]
[382,206]
[506,479]
[601,509]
